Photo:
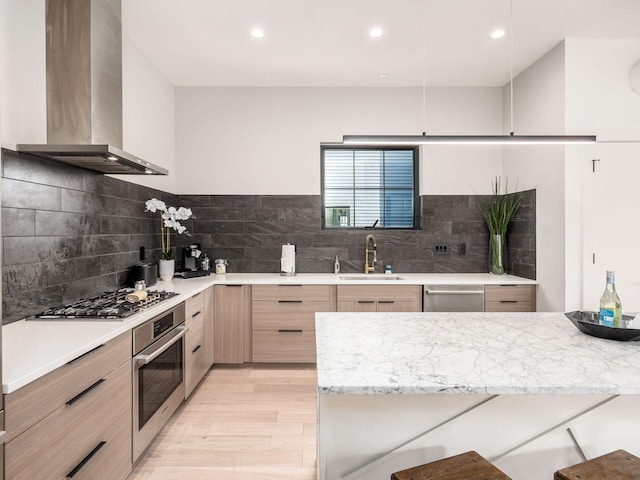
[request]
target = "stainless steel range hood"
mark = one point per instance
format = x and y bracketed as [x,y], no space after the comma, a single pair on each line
[84,89]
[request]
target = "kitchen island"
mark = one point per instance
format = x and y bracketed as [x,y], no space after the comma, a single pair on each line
[526,390]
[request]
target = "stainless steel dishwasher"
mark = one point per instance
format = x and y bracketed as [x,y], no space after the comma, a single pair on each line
[453,298]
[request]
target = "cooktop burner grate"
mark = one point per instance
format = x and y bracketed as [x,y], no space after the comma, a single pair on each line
[108,306]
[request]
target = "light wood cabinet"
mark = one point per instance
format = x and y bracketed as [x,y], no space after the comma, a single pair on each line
[36,400]
[232,307]
[87,436]
[208,325]
[283,321]
[510,298]
[195,342]
[379,298]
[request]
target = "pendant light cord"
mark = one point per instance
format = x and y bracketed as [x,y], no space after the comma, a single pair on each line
[424,67]
[511,59]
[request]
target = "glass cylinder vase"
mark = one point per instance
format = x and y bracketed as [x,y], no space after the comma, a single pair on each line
[497,254]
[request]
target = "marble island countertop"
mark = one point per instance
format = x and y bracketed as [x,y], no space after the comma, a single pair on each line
[469,353]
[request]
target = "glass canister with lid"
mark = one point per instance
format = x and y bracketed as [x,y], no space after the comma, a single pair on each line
[221,266]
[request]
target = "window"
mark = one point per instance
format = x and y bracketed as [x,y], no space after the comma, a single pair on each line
[363,187]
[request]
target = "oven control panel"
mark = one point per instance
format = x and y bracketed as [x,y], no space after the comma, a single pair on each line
[162,325]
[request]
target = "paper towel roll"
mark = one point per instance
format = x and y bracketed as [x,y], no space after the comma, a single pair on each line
[288,260]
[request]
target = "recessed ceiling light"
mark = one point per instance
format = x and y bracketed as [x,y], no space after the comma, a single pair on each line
[112,158]
[496,34]
[257,33]
[383,76]
[375,32]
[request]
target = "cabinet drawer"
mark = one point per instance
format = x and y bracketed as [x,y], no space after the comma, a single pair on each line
[509,306]
[281,314]
[395,306]
[347,293]
[194,305]
[58,443]
[311,293]
[520,293]
[34,401]
[195,353]
[284,347]
[112,460]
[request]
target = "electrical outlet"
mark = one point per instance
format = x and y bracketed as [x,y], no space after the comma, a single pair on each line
[440,248]
[462,249]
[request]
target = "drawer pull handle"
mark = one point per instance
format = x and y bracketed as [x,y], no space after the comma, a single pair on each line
[70,362]
[366,301]
[284,330]
[386,301]
[85,391]
[292,285]
[82,463]
[233,285]
[196,295]
[196,349]
[508,285]
[454,292]
[508,301]
[196,314]
[289,301]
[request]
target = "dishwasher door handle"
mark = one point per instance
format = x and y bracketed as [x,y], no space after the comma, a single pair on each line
[454,292]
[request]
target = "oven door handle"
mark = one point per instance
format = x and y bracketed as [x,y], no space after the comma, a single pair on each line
[169,341]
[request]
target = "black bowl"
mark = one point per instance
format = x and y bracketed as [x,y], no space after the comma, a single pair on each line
[587,322]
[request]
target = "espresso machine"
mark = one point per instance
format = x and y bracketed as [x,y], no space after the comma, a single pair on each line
[195,262]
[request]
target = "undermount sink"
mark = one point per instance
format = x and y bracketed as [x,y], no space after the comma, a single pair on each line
[370,276]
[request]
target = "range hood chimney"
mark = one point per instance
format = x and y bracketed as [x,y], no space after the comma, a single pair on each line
[84,89]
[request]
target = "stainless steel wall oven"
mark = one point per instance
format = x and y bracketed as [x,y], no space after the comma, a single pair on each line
[158,374]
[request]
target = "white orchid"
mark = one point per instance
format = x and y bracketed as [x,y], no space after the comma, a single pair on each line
[169,221]
[154,205]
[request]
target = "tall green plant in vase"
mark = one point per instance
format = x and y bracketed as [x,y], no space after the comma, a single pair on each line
[498,213]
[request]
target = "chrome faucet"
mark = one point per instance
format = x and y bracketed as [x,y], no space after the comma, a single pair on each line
[370,268]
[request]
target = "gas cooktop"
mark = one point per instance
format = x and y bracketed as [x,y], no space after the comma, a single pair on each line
[108,306]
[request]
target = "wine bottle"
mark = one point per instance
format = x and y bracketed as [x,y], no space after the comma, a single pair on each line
[610,305]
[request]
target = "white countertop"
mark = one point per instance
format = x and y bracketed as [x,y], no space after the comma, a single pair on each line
[372,279]
[31,349]
[469,353]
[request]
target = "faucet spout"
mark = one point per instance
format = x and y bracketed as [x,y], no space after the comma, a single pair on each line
[371,240]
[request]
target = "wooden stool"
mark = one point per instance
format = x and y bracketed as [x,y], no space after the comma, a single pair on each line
[466,466]
[618,465]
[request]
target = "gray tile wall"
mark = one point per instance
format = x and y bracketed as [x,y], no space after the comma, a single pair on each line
[69,233]
[249,230]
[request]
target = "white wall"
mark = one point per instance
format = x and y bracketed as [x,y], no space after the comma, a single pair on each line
[3,30]
[539,108]
[267,140]
[600,101]
[148,98]
[22,86]
[598,93]
[148,110]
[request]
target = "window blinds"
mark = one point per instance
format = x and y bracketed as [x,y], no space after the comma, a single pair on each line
[365,186]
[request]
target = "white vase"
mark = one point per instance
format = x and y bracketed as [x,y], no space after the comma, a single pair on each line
[167,268]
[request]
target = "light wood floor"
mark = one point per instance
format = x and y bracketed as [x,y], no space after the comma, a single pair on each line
[242,423]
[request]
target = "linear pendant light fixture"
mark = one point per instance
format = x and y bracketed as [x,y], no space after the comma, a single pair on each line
[467,139]
[425,139]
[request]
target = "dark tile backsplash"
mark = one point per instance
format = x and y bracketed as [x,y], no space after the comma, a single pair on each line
[70,233]
[249,230]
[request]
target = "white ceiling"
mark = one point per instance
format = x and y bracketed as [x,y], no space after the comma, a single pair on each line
[326,42]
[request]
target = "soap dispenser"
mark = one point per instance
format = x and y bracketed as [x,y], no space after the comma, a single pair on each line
[336,266]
